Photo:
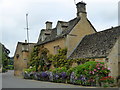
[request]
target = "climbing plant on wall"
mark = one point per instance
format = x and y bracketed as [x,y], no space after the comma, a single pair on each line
[39,57]
[34,60]
[60,59]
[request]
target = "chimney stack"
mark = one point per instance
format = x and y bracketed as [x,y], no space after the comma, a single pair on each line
[81,9]
[48,25]
[25,41]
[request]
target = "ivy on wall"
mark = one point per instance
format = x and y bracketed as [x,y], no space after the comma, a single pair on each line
[38,57]
[60,59]
[41,59]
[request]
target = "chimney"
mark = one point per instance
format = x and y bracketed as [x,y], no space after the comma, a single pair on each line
[48,25]
[25,41]
[81,9]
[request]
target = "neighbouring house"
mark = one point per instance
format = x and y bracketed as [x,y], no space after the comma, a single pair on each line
[66,34]
[103,46]
[21,57]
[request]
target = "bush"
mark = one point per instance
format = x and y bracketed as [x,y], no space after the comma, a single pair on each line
[107,79]
[10,67]
[4,70]
[59,70]
[89,74]
[30,69]
[92,71]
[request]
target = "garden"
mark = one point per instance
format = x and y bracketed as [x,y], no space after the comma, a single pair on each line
[87,73]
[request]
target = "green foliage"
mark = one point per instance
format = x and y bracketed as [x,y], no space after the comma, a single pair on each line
[70,70]
[4,55]
[39,57]
[30,69]
[92,68]
[60,59]
[107,79]
[60,70]
[4,70]
[10,67]
[88,73]
[94,71]
[34,56]
[82,60]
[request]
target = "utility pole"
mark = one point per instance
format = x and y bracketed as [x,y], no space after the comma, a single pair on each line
[27,28]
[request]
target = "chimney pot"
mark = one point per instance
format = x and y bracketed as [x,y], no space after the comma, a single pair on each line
[81,8]
[25,41]
[48,25]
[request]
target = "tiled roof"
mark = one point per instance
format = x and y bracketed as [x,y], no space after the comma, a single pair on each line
[54,35]
[97,45]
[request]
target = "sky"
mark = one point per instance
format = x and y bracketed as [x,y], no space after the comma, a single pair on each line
[103,14]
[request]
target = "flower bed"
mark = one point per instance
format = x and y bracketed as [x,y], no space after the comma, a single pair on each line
[89,74]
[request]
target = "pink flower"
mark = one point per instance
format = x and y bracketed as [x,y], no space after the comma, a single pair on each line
[95,70]
[98,68]
[90,72]
[109,68]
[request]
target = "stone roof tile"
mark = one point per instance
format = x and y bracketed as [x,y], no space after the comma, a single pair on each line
[97,45]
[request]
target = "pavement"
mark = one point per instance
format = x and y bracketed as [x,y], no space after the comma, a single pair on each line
[10,81]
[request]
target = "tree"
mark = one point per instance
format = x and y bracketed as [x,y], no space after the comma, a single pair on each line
[4,55]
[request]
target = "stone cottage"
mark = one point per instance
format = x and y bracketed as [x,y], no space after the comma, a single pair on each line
[66,34]
[21,57]
[103,46]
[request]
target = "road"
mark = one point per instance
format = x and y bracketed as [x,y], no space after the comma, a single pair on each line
[9,81]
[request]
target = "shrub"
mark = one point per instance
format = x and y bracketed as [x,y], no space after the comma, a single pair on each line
[4,70]
[44,75]
[107,79]
[10,67]
[91,71]
[30,69]
[60,70]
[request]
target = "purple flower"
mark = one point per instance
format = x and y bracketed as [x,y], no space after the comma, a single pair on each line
[43,74]
[56,76]
[63,75]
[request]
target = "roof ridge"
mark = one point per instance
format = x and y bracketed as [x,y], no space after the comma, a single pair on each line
[104,30]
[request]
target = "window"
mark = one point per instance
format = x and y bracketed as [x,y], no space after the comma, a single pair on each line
[56,48]
[25,48]
[17,56]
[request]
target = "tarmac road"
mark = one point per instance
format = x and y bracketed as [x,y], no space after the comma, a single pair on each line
[10,81]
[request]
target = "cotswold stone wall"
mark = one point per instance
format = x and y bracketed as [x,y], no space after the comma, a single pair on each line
[50,46]
[82,28]
[21,58]
[113,58]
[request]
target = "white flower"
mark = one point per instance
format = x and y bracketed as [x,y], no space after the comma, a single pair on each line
[30,67]
[25,71]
